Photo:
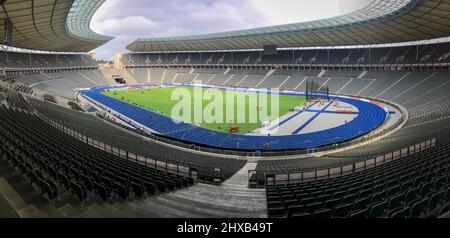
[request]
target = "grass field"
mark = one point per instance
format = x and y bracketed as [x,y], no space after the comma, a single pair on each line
[159,100]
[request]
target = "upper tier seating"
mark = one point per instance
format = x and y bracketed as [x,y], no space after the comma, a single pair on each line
[433,53]
[17,60]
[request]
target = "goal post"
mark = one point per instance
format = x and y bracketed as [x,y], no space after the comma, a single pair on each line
[315,91]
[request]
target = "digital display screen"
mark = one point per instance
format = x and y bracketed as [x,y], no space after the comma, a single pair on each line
[270,50]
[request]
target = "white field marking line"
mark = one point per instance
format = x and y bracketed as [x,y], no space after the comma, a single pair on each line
[226,81]
[148,76]
[366,87]
[193,80]
[392,85]
[209,80]
[262,81]
[301,82]
[275,126]
[163,76]
[426,93]
[345,85]
[284,82]
[245,77]
[312,119]
[267,128]
[325,83]
[411,88]
[84,76]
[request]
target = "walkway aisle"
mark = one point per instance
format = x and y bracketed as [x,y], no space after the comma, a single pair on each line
[230,200]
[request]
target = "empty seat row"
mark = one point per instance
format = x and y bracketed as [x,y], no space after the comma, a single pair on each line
[49,158]
[413,186]
[208,167]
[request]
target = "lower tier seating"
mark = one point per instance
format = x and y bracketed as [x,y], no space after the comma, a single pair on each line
[208,167]
[410,187]
[50,159]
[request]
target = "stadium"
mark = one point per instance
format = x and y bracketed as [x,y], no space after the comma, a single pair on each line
[344,117]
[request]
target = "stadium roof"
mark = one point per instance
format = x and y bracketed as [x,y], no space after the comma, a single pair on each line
[380,22]
[51,25]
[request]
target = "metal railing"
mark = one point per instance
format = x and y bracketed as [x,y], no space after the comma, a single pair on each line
[125,154]
[334,67]
[191,146]
[273,178]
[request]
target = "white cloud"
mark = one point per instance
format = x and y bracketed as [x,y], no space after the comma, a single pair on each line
[128,25]
[132,19]
[293,11]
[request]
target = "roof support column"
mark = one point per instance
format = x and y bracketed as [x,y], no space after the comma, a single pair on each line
[293,56]
[417,53]
[8,32]
[328,56]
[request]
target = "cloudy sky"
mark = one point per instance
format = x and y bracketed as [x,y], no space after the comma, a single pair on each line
[132,19]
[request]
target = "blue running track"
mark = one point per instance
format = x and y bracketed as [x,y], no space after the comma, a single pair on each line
[369,118]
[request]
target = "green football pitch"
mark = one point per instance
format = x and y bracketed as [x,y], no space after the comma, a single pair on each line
[162,101]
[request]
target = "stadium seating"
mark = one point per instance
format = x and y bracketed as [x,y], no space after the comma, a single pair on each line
[408,187]
[63,84]
[140,75]
[432,53]
[26,61]
[24,89]
[412,186]
[52,160]
[410,135]
[208,167]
